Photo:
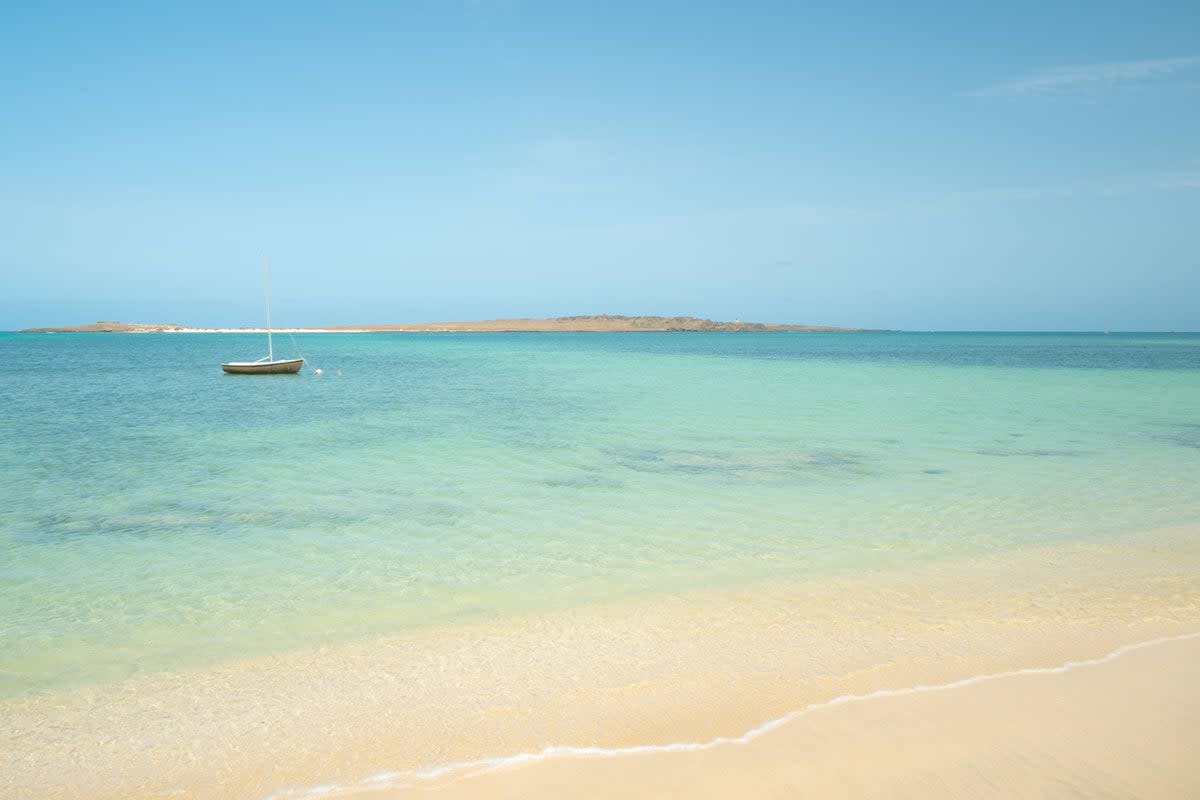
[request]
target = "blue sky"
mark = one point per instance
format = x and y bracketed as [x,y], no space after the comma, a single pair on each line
[915,166]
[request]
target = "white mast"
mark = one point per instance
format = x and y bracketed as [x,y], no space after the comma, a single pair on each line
[267,297]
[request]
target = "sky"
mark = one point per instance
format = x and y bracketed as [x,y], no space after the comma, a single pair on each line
[918,166]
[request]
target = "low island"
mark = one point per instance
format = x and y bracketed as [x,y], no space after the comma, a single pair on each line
[594,323]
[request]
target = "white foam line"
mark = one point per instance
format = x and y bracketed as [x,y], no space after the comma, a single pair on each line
[400,780]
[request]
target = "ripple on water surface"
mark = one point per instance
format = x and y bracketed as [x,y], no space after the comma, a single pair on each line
[155,518]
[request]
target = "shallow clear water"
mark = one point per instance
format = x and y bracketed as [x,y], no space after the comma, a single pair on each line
[156,513]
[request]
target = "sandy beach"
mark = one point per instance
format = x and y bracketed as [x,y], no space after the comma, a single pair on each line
[1122,725]
[391,715]
[479,399]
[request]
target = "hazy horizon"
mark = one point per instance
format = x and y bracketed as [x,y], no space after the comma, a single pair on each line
[252,327]
[925,167]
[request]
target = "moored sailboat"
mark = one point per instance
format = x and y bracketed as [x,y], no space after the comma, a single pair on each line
[268,365]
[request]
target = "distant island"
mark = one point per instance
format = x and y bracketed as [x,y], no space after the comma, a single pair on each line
[597,323]
[110,327]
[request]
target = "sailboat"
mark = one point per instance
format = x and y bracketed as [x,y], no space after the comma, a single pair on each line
[267,365]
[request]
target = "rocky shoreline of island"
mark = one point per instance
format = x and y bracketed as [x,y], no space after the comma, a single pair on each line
[611,323]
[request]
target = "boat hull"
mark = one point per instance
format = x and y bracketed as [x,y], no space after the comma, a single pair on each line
[285,367]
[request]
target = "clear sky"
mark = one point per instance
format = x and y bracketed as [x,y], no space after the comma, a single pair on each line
[901,165]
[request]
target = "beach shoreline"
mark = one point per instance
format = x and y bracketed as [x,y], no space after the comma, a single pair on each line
[1044,731]
[692,667]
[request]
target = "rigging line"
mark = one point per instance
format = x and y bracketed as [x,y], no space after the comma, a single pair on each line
[296,347]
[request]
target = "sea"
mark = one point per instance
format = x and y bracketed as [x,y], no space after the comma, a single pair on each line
[157,514]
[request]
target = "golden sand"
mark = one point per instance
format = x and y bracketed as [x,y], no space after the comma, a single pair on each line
[1121,726]
[676,669]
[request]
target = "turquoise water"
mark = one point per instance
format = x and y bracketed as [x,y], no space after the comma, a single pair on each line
[156,513]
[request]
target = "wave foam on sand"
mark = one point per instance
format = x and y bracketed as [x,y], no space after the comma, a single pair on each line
[474,768]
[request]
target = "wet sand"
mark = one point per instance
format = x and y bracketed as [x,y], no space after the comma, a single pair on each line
[677,669]
[1121,726]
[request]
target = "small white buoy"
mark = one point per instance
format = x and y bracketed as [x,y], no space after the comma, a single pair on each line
[317,372]
[339,373]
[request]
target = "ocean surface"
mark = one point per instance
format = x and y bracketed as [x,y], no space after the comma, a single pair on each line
[156,513]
